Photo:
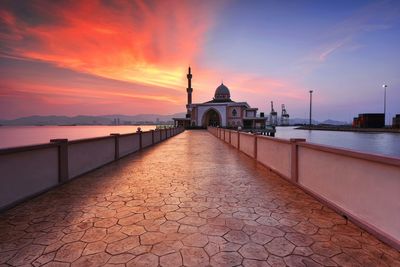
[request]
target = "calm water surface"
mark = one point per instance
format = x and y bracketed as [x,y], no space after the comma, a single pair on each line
[377,143]
[11,136]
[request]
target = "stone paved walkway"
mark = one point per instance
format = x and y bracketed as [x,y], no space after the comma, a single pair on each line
[191,200]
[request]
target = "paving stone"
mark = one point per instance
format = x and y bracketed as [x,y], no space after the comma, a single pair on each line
[325,261]
[238,237]
[195,240]
[169,227]
[280,247]
[94,234]
[70,252]
[45,258]
[106,223]
[72,237]
[253,251]
[133,229]
[48,238]
[327,249]
[229,246]
[267,221]
[298,239]
[93,260]
[346,241]
[131,219]
[151,238]
[254,263]
[269,230]
[303,251]
[144,260]
[166,247]
[345,260]
[123,245]
[194,257]
[171,260]
[211,249]
[95,247]
[226,259]
[300,261]
[276,261]
[306,228]
[210,229]
[260,238]
[193,221]
[121,258]
[26,255]
[174,216]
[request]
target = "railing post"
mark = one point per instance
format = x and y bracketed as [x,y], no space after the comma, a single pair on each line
[62,159]
[139,131]
[152,137]
[255,146]
[294,165]
[116,142]
[238,139]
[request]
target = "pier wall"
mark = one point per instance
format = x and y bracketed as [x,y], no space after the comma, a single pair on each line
[363,187]
[30,170]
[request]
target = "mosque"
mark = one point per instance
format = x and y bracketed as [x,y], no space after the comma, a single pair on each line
[220,111]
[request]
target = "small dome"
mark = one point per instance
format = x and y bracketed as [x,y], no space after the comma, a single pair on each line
[222,93]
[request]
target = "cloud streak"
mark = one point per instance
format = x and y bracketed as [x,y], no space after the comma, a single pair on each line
[137,41]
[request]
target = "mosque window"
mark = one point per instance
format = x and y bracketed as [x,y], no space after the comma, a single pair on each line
[234,113]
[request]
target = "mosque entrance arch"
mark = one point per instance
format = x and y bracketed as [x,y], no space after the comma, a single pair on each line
[211,118]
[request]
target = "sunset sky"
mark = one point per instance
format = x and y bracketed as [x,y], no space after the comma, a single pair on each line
[130,57]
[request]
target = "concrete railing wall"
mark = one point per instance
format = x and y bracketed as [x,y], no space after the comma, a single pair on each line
[30,170]
[128,143]
[157,136]
[147,139]
[363,187]
[234,139]
[86,155]
[276,154]
[247,144]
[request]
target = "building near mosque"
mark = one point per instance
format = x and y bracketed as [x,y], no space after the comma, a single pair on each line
[221,111]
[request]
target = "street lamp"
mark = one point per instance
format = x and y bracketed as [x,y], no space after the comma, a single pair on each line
[310,122]
[384,103]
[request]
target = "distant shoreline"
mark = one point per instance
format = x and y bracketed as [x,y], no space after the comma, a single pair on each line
[349,129]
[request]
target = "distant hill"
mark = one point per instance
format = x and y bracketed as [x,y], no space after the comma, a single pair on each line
[296,121]
[333,122]
[91,120]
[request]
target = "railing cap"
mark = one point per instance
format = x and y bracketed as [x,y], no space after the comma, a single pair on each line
[59,140]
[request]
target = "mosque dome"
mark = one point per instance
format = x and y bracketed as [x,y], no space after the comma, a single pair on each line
[222,93]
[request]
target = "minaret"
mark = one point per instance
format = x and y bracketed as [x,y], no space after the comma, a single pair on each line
[189,91]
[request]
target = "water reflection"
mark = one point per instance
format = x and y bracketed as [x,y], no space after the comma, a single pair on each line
[378,143]
[11,136]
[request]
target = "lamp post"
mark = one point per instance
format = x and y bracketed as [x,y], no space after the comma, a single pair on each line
[384,104]
[310,122]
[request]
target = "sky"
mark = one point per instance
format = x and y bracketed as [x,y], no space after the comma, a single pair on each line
[100,57]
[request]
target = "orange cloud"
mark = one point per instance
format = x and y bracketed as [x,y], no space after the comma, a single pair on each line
[137,41]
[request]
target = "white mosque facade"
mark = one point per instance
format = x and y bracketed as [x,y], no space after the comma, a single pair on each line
[220,111]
